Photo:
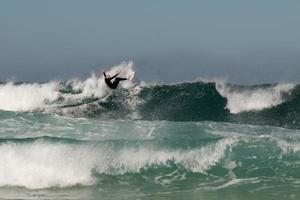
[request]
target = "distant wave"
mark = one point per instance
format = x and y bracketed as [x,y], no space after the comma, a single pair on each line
[241,99]
[268,104]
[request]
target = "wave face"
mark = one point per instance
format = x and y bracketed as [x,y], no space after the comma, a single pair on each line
[51,163]
[276,105]
[80,140]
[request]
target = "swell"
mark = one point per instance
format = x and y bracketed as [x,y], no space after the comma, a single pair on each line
[275,105]
[268,104]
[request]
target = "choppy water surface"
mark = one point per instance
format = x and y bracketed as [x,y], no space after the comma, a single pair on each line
[193,140]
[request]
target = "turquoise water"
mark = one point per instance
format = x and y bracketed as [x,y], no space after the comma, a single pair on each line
[47,156]
[192,140]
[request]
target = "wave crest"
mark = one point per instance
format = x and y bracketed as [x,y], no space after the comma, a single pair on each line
[253,99]
[276,105]
[43,164]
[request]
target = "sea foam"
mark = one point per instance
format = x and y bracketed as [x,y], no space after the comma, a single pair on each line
[43,96]
[27,97]
[44,164]
[253,99]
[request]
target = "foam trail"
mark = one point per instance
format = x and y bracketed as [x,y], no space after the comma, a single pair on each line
[253,99]
[43,164]
[287,147]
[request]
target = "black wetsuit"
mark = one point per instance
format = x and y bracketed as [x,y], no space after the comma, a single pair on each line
[115,83]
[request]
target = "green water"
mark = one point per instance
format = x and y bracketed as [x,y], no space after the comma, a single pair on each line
[46,156]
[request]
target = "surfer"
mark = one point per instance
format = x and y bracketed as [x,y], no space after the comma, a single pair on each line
[113,84]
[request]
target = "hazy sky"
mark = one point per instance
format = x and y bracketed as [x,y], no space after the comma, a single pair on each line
[169,40]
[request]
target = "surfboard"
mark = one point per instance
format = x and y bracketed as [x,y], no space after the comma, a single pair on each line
[84,101]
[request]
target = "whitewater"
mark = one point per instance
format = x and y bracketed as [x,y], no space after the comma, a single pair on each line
[78,139]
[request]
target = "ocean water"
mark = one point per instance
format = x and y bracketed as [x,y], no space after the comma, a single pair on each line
[190,140]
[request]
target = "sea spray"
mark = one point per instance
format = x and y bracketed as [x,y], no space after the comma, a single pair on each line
[27,96]
[47,96]
[241,99]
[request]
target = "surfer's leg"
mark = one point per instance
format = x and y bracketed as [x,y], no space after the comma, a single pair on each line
[115,83]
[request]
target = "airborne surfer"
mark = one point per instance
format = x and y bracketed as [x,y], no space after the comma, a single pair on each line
[112,84]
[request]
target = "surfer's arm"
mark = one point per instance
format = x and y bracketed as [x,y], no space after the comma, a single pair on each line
[109,78]
[114,76]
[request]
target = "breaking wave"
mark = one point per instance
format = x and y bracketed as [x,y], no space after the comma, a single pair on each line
[242,99]
[55,162]
[216,154]
[269,104]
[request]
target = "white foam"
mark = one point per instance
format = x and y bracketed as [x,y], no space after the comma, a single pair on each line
[287,147]
[95,86]
[41,164]
[247,99]
[27,97]
[35,96]
[233,182]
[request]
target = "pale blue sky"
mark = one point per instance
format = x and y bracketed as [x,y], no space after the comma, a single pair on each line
[169,40]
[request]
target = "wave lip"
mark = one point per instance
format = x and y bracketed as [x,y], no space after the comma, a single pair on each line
[253,99]
[276,105]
